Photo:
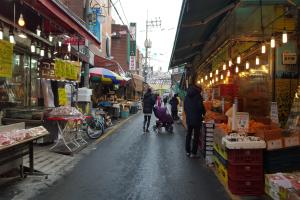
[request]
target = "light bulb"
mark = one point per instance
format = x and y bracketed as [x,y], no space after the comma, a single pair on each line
[213,81]
[21,21]
[273,45]
[224,66]
[59,43]
[247,65]
[238,60]
[202,80]
[206,77]
[50,37]
[42,53]
[11,37]
[228,73]
[217,72]
[230,63]
[284,37]
[222,77]
[236,69]
[49,54]
[69,47]
[211,74]
[263,48]
[1,35]
[257,60]
[217,79]
[38,31]
[32,48]
[210,82]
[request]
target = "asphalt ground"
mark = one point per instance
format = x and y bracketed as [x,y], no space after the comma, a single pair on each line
[130,164]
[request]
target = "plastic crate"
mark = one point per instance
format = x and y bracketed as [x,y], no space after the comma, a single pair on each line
[221,170]
[245,156]
[220,157]
[246,172]
[246,188]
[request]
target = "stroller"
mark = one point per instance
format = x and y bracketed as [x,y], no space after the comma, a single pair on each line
[164,119]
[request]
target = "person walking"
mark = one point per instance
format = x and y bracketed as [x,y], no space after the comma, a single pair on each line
[158,100]
[194,111]
[148,103]
[174,106]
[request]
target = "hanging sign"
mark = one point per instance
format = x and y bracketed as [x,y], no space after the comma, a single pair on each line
[242,122]
[274,113]
[62,96]
[6,59]
[67,70]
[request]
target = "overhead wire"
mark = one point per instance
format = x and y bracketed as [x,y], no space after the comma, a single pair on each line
[123,11]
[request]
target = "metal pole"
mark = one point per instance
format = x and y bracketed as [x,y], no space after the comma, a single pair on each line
[146,47]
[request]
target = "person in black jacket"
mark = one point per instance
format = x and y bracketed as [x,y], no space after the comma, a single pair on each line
[174,106]
[148,103]
[194,111]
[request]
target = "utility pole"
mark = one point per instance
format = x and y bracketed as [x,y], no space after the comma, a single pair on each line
[148,43]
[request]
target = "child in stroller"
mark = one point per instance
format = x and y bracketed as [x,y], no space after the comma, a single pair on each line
[164,119]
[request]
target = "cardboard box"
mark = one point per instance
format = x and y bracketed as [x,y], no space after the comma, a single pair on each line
[273,138]
[293,140]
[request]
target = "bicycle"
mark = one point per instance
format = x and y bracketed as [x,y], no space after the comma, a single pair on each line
[93,125]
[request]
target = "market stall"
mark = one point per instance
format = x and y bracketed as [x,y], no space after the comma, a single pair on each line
[248,68]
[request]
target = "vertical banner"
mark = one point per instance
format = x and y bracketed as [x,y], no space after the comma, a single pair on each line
[6,59]
[132,62]
[94,22]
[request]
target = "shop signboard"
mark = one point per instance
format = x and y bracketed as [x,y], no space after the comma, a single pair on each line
[94,22]
[62,96]
[6,59]
[242,122]
[132,57]
[67,70]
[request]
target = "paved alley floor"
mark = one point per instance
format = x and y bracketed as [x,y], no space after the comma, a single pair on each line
[132,165]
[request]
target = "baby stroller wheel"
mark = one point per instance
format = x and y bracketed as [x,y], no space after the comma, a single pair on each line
[170,129]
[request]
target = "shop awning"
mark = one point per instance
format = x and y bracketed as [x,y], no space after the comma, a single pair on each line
[138,82]
[198,20]
[105,63]
[57,12]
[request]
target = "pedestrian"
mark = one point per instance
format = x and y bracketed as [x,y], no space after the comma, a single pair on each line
[174,106]
[148,103]
[158,100]
[194,111]
[165,101]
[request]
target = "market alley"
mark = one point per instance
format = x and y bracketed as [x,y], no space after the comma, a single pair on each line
[132,165]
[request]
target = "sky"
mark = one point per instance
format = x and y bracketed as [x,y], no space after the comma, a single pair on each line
[162,38]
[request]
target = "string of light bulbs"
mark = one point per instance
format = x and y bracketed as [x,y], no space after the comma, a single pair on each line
[219,73]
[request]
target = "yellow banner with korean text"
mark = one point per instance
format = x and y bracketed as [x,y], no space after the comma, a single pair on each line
[6,59]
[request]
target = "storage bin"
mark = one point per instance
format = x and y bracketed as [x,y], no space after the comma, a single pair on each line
[246,172]
[245,156]
[124,114]
[246,187]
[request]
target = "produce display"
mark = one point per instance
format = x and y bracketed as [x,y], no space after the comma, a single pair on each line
[283,186]
[15,136]
[65,111]
[239,141]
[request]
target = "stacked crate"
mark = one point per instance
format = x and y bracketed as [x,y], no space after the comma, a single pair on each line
[220,156]
[245,172]
[207,141]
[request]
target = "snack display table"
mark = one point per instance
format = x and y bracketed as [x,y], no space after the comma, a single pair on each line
[69,135]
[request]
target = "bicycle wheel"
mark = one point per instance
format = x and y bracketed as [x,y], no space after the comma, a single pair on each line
[94,131]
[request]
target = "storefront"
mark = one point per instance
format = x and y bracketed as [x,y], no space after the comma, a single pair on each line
[245,58]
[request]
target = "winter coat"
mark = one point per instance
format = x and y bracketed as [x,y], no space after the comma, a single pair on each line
[193,107]
[174,104]
[148,103]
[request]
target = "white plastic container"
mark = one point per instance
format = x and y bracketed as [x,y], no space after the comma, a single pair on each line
[85,91]
[84,98]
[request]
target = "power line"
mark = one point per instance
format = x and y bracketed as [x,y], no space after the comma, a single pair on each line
[117,12]
[123,11]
